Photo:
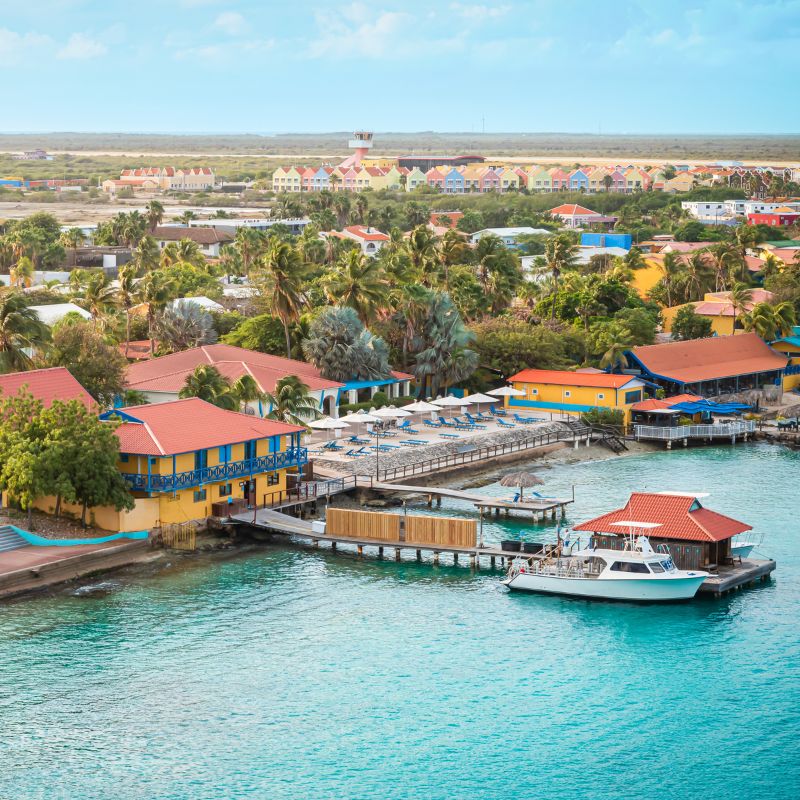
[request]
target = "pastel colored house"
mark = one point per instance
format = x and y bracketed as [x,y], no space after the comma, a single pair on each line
[710,367]
[578,181]
[509,180]
[287,179]
[560,179]
[369,239]
[435,178]
[575,216]
[472,177]
[717,307]
[682,182]
[568,393]
[540,180]
[416,177]
[189,454]
[454,182]
[780,217]
[648,276]
[490,181]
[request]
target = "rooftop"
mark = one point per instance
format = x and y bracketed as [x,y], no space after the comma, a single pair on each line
[679,516]
[175,233]
[709,359]
[573,210]
[603,380]
[183,426]
[46,385]
[168,373]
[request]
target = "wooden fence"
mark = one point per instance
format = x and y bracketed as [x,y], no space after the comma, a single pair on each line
[179,536]
[447,531]
[363,524]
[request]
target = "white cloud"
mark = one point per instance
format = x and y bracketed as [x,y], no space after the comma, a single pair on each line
[355,31]
[479,13]
[231,22]
[15,46]
[80,47]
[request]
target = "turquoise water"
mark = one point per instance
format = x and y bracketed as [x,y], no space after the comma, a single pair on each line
[302,674]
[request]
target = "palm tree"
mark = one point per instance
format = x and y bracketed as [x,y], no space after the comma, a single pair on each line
[169,255]
[725,260]
[246,391]
[291,402]
[673,274]
[360,208]
[126,297]
[21,274]
[72,239]
[450,250]
[618,343]
[422,251]
[359,283]
[560,254]
[770,321]
[21,330]
[248,242]
[184,325]
[189,252]
[147,255]
[99,299]
[281,279]
[208,383]
[741,296]
[697,275]
[155,214]
[133,228]
[155,290]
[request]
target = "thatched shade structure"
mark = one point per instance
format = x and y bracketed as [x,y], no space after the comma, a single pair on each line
[521,480]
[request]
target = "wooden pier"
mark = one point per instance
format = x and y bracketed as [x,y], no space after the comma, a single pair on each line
[731,578]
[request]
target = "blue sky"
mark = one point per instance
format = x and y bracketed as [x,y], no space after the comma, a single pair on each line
[634,66]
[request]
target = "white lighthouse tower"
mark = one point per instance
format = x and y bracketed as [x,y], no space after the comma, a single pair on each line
[362,144]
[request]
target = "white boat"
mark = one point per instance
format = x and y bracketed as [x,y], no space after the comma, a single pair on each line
[636,573]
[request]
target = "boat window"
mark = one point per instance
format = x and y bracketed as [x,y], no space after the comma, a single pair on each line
[656,567]
[629,566]
[668,565]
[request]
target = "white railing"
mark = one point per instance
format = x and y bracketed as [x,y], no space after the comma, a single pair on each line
[678,432]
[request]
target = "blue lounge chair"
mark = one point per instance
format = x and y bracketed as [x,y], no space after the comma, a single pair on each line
[482,417]
[405,427]
[469,423]
[431,423]
[356,440]
[357,453]
[503,424]
[474,420]
[332,445]
[525,420]
[496,412]
[459,426]
[451,435]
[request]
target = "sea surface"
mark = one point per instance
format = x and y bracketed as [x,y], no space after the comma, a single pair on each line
[292,673]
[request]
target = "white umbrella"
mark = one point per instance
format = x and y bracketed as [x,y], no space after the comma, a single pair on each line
[328,424]
[451,402]
[360,416]
[506,391]
[420,407]
[479,398]
[389,412]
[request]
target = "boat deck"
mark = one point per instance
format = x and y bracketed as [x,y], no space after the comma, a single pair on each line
[730,578]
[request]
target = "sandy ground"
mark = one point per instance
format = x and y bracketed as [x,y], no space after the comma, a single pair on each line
[72,212]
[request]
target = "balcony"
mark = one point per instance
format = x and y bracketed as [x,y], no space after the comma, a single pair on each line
[293,457]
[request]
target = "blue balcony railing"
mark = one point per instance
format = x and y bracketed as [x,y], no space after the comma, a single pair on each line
[293,457]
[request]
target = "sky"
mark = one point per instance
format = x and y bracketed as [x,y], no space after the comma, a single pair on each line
[257,66]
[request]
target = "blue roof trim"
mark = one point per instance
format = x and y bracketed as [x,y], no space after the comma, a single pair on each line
[123,415]
[366,384]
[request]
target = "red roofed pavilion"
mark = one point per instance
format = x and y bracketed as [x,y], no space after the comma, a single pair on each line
[55,383]
[696,536]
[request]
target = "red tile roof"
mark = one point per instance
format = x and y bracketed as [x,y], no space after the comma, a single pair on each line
[174,233]
[46,385]
[183,426]
[567,378]
[654,404]
[572,209]
[168,373]
[709,359]
[367,234]
[680,516]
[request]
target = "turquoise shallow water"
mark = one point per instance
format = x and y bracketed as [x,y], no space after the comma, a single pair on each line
[300,674]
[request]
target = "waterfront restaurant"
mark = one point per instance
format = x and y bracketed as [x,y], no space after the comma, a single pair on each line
[710,367]
[575,393]
[697,537]
[182,457]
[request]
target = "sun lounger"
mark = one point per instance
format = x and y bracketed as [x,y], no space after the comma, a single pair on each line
[332,446]
[356,440]
[357,453]
[459,426]
[469,423]
[503,424]
[431,423]
[496,412]
[525,420]
[451,435]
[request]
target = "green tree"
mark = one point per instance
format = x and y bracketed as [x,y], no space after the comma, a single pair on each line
[291,402]
[21,330]
[342,349]
[183,325]
[280,283]
[209,384]
[560,254]
[359,283]
[688,324]
[155,214]
[741,297]
[97,366]
[263,333]
[156,290]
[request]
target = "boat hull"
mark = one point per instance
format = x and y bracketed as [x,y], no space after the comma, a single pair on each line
[742,550]
[662,590]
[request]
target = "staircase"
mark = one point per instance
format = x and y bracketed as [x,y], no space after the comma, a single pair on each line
[610,438]
[576,427]
[10,539]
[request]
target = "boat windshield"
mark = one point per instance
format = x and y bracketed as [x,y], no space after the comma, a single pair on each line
[656,566]
[668,565]
[628,566]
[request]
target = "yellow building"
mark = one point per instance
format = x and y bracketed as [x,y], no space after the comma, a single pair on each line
[189,454]
[568,393]
[717,307]
[645,278]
